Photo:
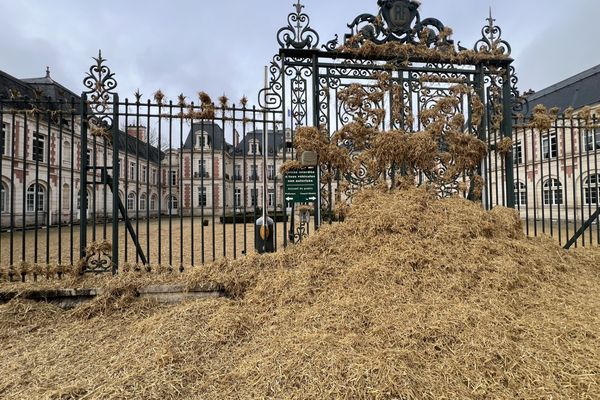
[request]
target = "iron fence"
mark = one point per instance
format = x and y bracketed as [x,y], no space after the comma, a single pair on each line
[556,178]
[152,179]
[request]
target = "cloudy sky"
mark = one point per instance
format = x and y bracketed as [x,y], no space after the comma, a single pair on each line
[222,46]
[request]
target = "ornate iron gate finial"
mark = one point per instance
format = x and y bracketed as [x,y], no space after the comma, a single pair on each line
[298,34]
[100,82]
[491,40]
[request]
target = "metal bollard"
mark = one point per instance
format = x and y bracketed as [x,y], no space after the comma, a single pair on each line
[263,236]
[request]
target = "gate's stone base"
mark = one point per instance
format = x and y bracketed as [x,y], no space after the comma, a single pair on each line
[70,298]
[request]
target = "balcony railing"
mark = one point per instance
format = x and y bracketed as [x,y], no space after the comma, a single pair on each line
[254,177]
[201,175]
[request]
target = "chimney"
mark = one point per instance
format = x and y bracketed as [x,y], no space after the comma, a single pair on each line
[137,132]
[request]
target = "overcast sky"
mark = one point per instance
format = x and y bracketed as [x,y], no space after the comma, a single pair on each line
[221,46]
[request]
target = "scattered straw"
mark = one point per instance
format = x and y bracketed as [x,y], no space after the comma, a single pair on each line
[409,298]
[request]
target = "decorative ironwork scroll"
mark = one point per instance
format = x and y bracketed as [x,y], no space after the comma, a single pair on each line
[100,82]
[98,258]
[270,97]
[298,34]
[397,21]
[520,103]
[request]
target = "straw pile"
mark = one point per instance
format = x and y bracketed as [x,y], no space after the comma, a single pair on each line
[409,298]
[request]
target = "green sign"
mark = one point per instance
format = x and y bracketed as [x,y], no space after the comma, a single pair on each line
[301,185]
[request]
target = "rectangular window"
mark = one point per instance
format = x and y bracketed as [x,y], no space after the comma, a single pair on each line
[271,198]
[520,194]
[254,173]
[518,153]
[153,176]
[549,146]
[131,201]
[39,143]
[271,172]
[237,197]
[144,174]
[591,195]
[253,197]
[4,142]
[66,198]
[120,167]
[553,194]
[30,202]
[202,171]
[237,172]
[3,198]
[202,196]
[173,178]
[131,170]
[592,139]
[35,201]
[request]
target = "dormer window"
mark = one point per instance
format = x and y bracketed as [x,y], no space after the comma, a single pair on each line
[254,148]
[202,140]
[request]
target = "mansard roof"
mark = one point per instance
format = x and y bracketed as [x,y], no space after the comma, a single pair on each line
[275,141]
[577,91]
[213,131]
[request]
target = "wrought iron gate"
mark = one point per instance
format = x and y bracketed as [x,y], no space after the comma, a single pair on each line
[422,66]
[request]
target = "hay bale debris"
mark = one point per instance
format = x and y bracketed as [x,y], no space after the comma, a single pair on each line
[411,297]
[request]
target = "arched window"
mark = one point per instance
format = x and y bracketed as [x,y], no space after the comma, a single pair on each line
[4,202]
[131,201]
[153,200]
[66,153]
[36,198]
[143,199]
[590,187]
[66,197]
[520,194]
[552,191]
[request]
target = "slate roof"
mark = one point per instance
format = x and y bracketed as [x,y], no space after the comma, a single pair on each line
[577,91]
[9,82]
[37,89]
[137,147]
[214,133]
[50,88]
[45,87]
[276,138]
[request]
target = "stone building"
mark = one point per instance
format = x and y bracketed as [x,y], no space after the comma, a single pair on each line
[556,170]
[41,164]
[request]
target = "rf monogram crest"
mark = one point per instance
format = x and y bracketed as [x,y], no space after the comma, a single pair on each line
[399,14]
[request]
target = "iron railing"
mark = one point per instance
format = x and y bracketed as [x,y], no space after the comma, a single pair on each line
[556,179]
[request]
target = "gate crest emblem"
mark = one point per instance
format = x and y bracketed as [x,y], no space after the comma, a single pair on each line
[398,14]
[397,21]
